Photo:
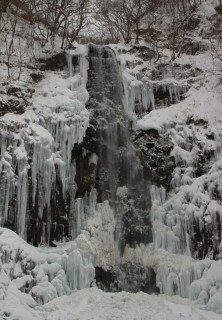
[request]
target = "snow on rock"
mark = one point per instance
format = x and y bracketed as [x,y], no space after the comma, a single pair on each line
[46,273]
[40,141]
[41,273]
[195,205]
[34,276]
[181,275]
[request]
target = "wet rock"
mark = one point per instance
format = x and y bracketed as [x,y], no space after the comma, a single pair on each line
[11,105]
[155,155]
[205,241]
[54,224]
[218,9]
[85,170]
[143,52]
[130,277]
[203,162]
[37,76]
[56,62]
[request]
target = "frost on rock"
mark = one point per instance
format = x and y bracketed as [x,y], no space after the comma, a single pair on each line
[187,220]
[36,151]
[147,91]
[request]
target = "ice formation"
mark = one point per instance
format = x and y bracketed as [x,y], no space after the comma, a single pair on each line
[42,149]
[139,95]
[47,273]
[145,92]
[36,156]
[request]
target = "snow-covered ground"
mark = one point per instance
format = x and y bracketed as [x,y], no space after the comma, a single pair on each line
[31,277]
[94,304]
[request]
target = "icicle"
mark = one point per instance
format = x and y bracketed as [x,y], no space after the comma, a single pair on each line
[22,189]
[69,63]
[137,92]
[158,194]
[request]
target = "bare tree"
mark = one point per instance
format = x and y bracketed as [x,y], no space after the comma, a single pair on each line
[9,40]
[180,6]
[75,19]
[114,15]
[126,16]
[65,18]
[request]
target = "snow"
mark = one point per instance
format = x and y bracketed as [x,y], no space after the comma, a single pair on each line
[90,304]
[94,304]
[46,133]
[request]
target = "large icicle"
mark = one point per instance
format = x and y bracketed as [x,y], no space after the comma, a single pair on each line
[39,144]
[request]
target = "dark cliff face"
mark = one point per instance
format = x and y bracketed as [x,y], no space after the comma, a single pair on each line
[130,277]
[155,151]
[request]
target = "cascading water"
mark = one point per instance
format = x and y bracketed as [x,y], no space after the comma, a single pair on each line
[118,175]
[119,171]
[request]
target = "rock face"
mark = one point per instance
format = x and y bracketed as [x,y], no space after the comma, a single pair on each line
[56,62]
[14,99]
[127,277]
[155,151]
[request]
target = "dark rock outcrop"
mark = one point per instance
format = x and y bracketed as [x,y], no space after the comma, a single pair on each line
[218,9]
[12,105]
[128,277]
[55,62]
[14,99]
[155,156]
[143,52]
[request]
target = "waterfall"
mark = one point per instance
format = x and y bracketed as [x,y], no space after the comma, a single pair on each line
[119,171]
[79,168]
[56,168]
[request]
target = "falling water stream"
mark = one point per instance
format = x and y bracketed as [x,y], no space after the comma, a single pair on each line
[120,178]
